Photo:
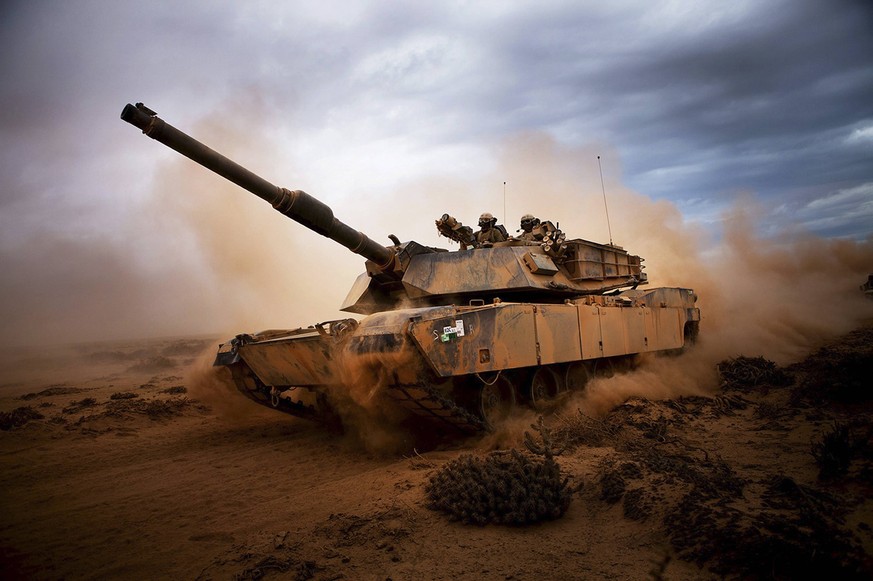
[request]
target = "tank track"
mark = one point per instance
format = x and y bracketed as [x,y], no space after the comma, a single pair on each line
[250,386]
[421,400]
[427,402]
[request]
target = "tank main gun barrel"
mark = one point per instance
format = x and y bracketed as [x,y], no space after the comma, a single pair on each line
[297,204]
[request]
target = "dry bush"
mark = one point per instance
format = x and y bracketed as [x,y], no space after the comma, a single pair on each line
[18,417]
[612,487]
[504,487]
[799,537]
[580,429]
[288,567]
[53,391]
[833,452]
[771,411]
[77,406]
[155,408]
[636,505]
[744,373]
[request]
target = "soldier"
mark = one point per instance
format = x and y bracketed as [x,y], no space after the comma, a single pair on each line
[489,232]
[528,224]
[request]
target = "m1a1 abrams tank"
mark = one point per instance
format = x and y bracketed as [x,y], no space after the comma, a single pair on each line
[460,337]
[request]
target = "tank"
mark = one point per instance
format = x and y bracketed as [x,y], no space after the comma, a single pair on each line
[459,337]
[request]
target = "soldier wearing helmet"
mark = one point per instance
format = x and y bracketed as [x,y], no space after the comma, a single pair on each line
[489,232]
[531,231]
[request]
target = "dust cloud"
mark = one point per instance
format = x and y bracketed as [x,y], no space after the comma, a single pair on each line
[214,387]
[369,417]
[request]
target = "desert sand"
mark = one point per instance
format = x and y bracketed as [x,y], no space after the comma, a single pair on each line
[136,460]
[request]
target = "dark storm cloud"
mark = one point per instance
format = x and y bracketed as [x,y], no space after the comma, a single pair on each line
[760,98]
[767,102]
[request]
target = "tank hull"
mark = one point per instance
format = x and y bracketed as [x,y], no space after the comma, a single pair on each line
[435,361]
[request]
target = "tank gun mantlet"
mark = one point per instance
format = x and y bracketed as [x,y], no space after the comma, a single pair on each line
[402,255]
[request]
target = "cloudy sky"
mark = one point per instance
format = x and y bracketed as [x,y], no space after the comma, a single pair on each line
[392,113]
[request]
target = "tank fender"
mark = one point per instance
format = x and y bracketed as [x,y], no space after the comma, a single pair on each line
[226,355]
[228,352]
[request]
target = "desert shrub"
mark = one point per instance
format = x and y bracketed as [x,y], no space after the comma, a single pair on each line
[154,408]
[122,395]
[635,505]
[79,405]
[580,429]
[53,391]
[503,487]
[748,372]
[18,417]
[770,411]
[612,487]
[176,389]
[799,537]
[833,451]
[613,484]
[288,567]
[164,409]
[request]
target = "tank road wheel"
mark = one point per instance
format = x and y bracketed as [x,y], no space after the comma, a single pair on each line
[496,400]
[544,387]
[576,377]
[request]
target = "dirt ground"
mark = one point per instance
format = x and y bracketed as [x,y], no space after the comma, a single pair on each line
[127,460]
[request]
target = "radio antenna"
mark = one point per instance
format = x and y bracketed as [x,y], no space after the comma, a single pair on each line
[603,189]
[504,201]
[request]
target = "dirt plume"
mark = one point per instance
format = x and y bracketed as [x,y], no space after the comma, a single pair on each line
[778,297]
[368,415]
[214,387]
[783,296]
